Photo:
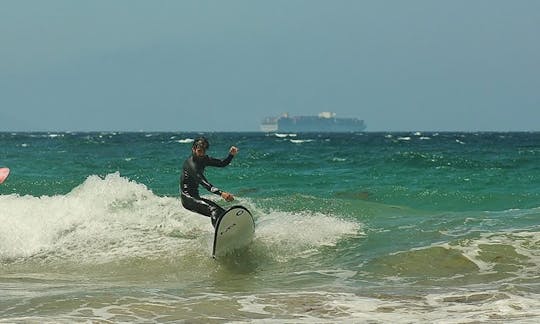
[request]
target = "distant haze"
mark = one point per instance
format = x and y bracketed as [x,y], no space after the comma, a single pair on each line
[224,65]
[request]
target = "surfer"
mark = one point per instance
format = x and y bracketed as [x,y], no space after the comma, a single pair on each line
[193,175]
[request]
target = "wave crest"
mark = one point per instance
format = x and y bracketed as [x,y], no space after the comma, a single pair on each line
[112,218]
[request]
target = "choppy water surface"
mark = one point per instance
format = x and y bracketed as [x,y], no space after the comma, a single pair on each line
[369,227]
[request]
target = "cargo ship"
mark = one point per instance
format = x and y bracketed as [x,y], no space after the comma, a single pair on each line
[325,122]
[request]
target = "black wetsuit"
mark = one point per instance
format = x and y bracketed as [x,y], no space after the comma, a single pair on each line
[193,176]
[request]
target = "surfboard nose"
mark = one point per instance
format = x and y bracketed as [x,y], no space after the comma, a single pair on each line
[234,230]
[4,173]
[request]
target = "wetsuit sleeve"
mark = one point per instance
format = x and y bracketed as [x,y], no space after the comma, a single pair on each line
[219,163]
[208,186]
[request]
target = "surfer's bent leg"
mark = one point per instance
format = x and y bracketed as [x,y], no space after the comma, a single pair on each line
[202,206]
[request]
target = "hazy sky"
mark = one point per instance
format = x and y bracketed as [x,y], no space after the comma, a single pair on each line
[224,65]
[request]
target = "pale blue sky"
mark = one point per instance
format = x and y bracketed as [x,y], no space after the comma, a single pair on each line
[460,65]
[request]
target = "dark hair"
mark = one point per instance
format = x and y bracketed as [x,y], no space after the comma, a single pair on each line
[201,142]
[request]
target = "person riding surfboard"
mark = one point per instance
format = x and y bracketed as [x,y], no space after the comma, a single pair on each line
[193,175]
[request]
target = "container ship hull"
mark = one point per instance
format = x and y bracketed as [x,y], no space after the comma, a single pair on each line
[323,123]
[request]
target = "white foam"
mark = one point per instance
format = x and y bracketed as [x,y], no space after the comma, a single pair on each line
[100,220]
[284,135]
[288,235]
[331,307]
[484,305]
[524,243]
[185,141]
[112,218]
[300,141]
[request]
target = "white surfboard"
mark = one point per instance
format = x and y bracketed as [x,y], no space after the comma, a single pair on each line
[234,230]
[4,173]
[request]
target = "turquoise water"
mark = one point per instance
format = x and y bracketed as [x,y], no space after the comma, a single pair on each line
[368,227]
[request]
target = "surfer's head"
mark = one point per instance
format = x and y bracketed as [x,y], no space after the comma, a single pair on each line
[200,145]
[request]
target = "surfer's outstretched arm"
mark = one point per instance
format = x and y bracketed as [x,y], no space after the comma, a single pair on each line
[219,163]
[223,163]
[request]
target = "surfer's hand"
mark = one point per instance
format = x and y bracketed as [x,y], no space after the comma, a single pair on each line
[227,196]
[233,150]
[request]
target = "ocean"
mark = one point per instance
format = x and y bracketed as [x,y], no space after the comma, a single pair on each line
[412,227]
